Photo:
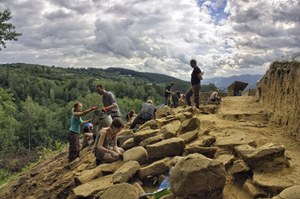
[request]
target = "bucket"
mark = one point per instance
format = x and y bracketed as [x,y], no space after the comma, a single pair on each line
[99,120]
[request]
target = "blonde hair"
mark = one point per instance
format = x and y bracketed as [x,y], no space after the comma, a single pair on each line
[150,101]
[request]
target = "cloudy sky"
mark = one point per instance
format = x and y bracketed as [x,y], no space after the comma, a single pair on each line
[226,37]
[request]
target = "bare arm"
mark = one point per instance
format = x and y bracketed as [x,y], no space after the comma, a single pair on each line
[116,148]
[114,105]
[82,113]
[200,75]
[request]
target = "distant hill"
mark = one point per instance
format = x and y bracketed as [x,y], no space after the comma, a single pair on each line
[224,82]
[152,77]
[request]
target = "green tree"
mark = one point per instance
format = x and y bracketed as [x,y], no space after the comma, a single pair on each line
[7,123]
[7,30]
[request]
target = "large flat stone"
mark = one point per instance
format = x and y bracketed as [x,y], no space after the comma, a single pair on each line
[292,192]
[272,182]
[125,172]
[206,151]
[121,191]
[190,136]
[144,134]
[154,169]
[88,189]
[189,125]
[267,157]
[269,149]
[91,174]
[234,140]
[138,154]
[166,148]
[196,176]
[254,191]
[169,130]
[152,140]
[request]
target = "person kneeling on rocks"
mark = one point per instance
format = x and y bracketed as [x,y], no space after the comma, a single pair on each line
[147,113]
[105,148]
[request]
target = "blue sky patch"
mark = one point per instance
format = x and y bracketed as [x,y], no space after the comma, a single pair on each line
[216,9]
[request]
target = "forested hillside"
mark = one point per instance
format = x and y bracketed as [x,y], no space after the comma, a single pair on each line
[35,103]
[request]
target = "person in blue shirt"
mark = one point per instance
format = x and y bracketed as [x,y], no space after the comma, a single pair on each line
[73,135]
[196,78]
[88,137]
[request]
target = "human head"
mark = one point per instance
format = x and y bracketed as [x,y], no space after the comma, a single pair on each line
[150,101]
[77,107]
[132,112]
[117,125]
[100,89]
[217,90]
[193,63]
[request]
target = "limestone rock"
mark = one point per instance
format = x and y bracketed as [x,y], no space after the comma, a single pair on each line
[206,151]
[121,191]
[234,140]
[197,177]
[226,159]
[142,135]
[253,191]
[271,182]
[128,144]
[269,149]
[88,175]
[204,140]
[189,136]
[189,125]
[92,187]
[163,112]
[152,124]
[166,148]
[138,154]
[170,129]
[154,169]
[292,192]
[125,135]
[152,140]
[125,172]
[238,167]
[257,156]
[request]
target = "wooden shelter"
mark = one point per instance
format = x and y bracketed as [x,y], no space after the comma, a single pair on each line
[236,88]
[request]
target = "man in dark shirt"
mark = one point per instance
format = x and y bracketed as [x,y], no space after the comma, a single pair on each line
[196,78]
[168,94]
[147,113]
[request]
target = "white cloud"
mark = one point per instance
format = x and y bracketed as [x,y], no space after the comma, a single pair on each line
[155,36]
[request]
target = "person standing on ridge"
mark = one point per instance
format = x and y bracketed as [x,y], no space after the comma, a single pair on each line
[168,94]
[110,105]
[196,78]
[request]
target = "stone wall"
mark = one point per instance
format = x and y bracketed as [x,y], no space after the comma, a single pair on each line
[279,92]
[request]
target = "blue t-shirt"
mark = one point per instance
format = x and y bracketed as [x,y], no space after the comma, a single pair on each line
[75,124]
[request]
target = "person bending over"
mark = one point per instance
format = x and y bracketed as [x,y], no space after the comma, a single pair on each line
[105,148]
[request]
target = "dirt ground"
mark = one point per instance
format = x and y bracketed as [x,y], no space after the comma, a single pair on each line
[241,114]
[245,114]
